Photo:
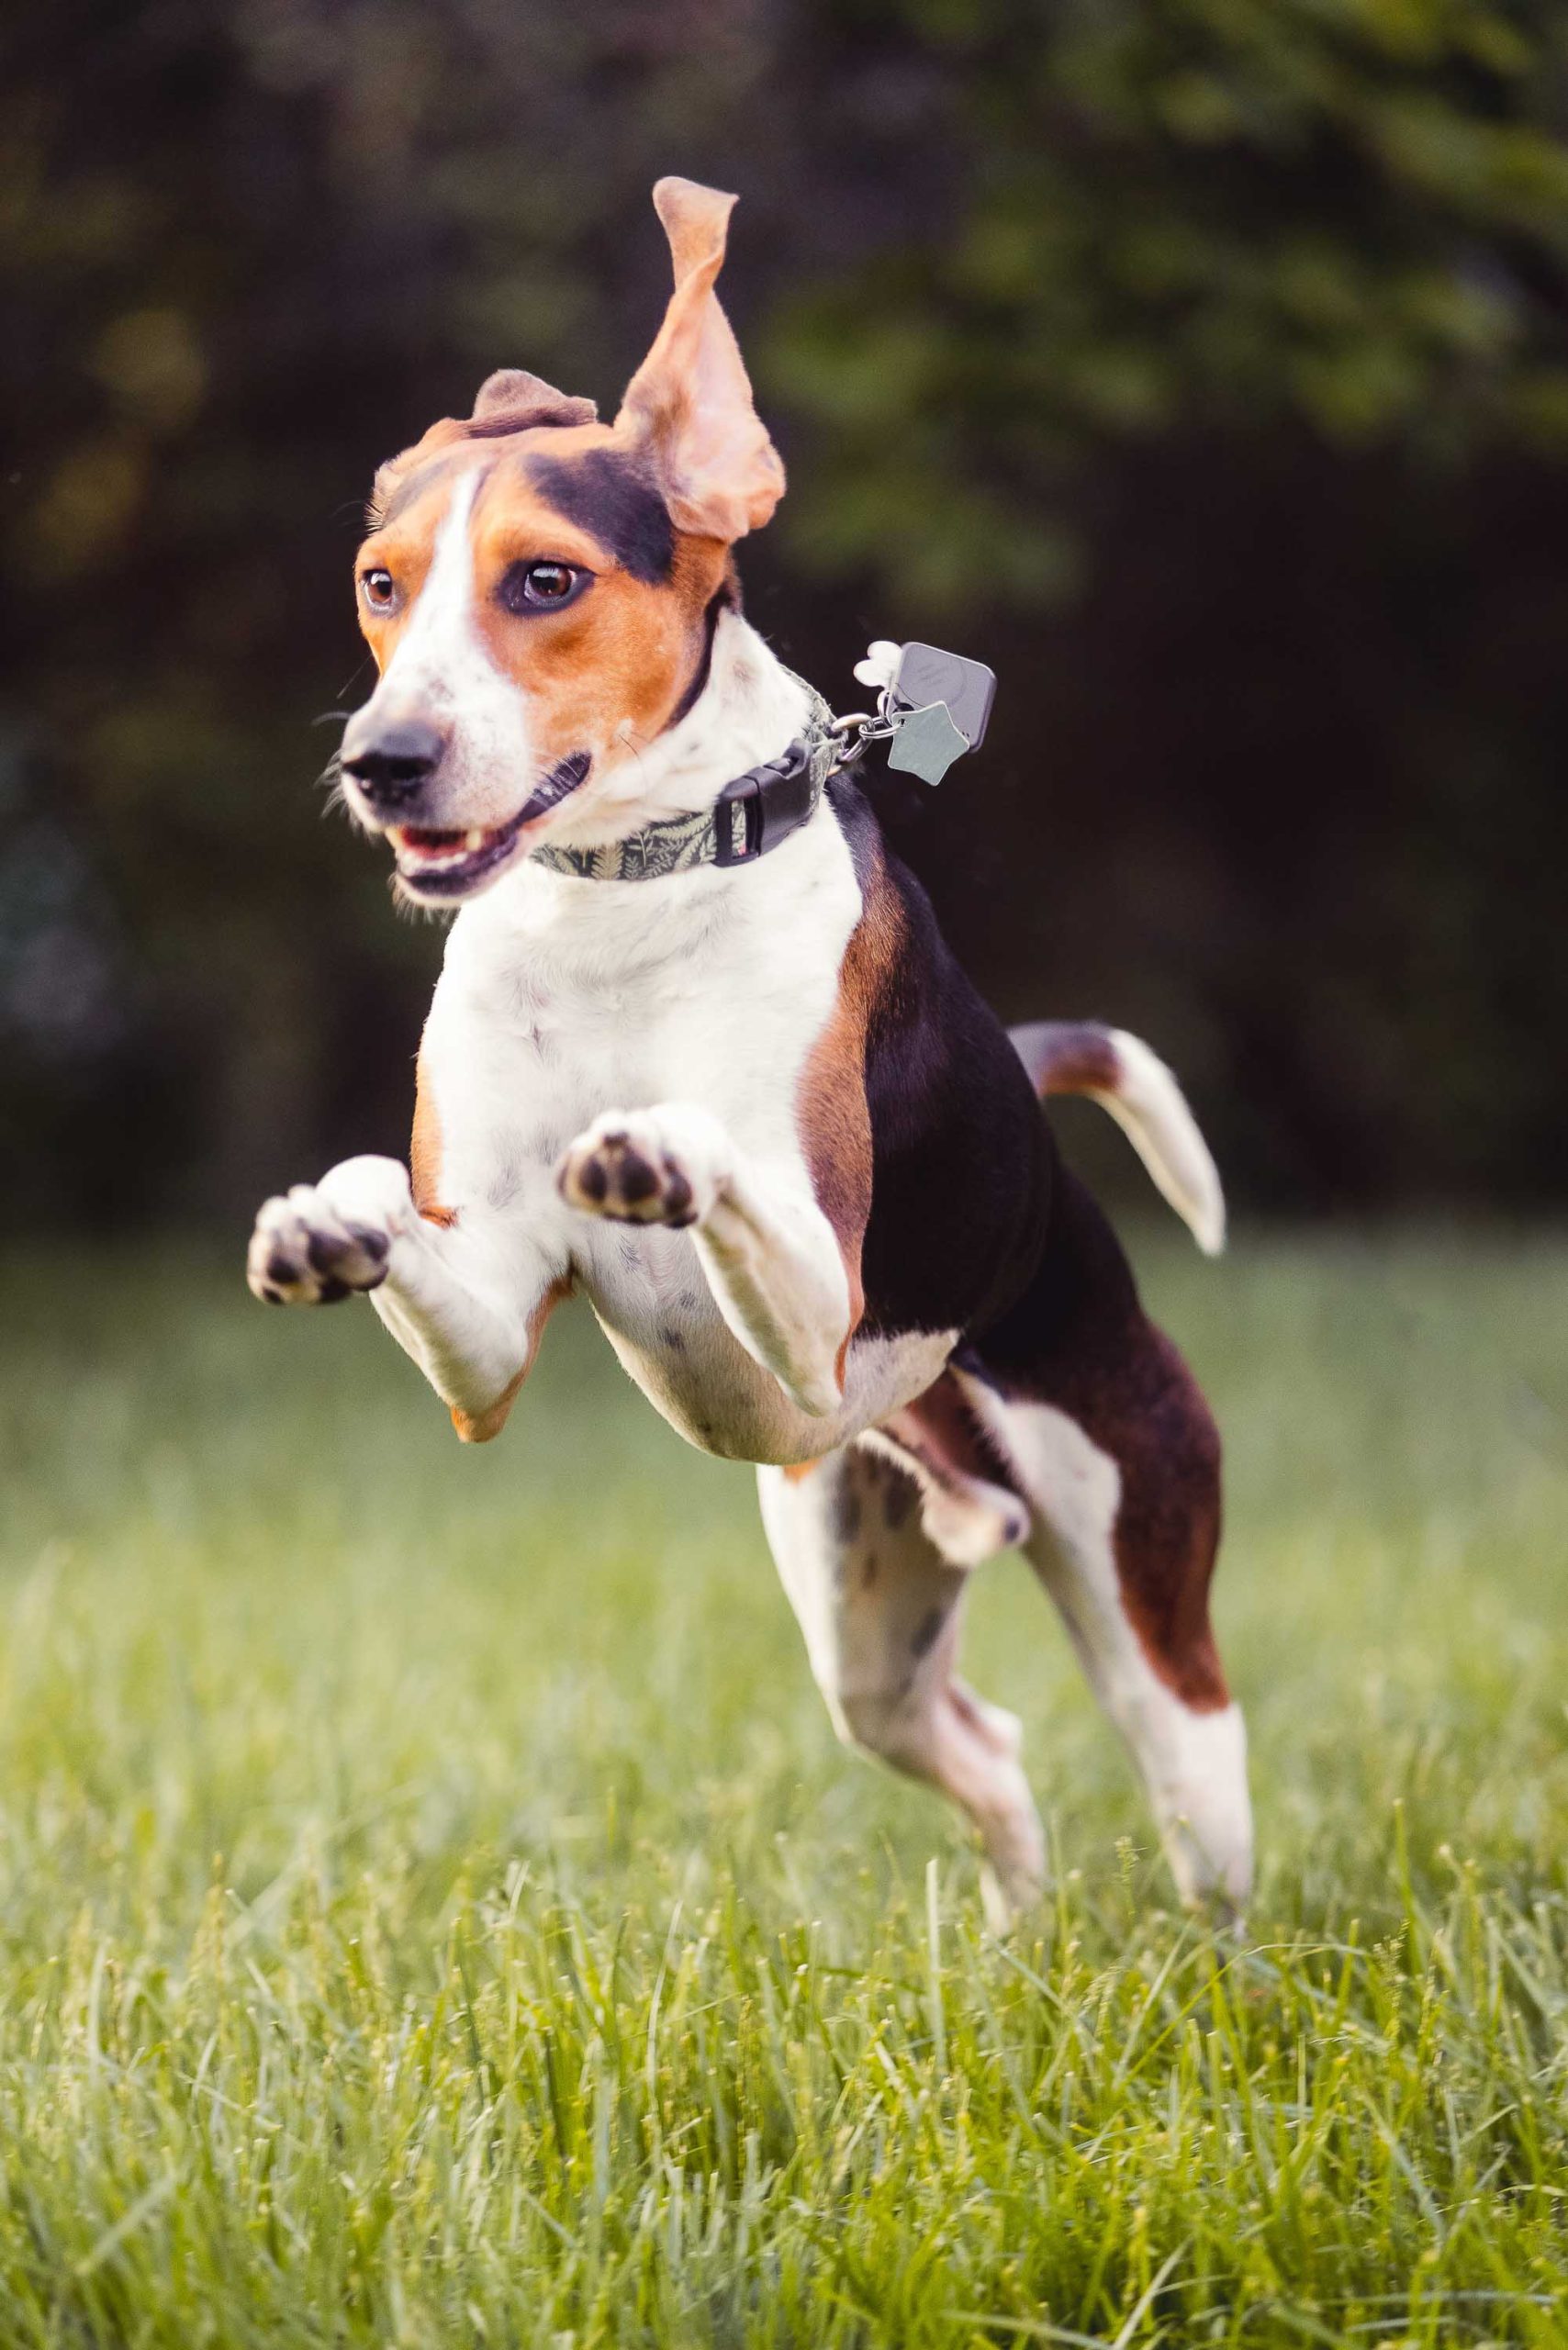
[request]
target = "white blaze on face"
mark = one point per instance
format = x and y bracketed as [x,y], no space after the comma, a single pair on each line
[442,674]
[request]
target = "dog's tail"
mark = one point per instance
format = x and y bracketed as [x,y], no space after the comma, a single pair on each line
[1121,1073]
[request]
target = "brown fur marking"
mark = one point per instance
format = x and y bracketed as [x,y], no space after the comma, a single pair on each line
[424,1161]
[513,398]
[424,1153]
[834,1117]
[939,1431]
[1163,1438]
[610,668]
[1135,1400]
[1068,1056]
[478,1427]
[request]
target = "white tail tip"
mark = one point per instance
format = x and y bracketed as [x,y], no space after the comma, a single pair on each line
[1151,1109]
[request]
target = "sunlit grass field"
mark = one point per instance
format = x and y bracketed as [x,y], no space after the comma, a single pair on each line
[434,1910]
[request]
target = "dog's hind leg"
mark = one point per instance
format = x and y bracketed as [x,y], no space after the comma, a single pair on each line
[1124,1541]
[968,1510]
[881,1610]
[1114,1448]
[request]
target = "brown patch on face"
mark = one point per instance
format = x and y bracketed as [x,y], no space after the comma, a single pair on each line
[644,511]
[605,673]
[643,514]
[832,1111]
[1068,1056]
[478,1427]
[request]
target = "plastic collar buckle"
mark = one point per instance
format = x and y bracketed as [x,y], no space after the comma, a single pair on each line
[759,810]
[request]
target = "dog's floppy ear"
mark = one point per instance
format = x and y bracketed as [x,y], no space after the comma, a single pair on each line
[512,400]
[689,402]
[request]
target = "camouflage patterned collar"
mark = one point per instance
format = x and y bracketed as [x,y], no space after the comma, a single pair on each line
[751,815]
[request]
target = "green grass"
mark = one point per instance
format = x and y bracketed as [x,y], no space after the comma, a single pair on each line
[433,1909]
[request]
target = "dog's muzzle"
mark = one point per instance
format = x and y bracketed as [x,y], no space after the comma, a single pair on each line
[391,765]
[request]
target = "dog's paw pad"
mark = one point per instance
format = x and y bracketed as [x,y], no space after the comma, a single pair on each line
[630,1172]
[302,1253]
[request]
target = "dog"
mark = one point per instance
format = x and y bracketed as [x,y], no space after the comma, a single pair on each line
[700,1051]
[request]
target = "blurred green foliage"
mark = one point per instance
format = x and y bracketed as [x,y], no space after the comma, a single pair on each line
[1252,215]
[1200,363]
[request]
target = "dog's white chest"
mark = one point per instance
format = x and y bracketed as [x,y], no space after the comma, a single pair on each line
[562,1000]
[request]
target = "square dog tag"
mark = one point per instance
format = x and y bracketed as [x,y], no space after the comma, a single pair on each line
[926,674]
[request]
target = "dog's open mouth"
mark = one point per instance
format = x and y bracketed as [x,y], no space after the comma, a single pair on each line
[441,864]
[445,862]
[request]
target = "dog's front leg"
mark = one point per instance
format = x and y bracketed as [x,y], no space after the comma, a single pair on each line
[771,1257]
[467,1299]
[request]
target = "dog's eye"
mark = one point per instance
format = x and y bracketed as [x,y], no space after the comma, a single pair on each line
[542,587]
[379,590]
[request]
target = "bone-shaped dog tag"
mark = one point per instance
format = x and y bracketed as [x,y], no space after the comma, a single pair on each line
[927,743]
[925,674]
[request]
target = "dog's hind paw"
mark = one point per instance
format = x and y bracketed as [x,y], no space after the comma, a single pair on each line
[655,1166]
[325,1241]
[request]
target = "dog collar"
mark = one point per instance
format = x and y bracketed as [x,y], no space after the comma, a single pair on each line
[751,816]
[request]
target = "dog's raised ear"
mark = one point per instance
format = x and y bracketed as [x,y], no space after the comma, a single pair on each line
[689,402]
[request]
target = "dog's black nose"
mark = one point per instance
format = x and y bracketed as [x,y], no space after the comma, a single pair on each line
[391,764]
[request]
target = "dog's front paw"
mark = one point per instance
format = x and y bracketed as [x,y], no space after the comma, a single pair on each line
[645,1167]
[325,1241]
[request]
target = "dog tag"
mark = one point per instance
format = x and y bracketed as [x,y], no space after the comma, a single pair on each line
[927,743]
[925,674]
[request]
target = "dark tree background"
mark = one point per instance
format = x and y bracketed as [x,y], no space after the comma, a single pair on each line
[1201,364]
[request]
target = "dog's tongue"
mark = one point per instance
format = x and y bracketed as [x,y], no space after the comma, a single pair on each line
[426,839]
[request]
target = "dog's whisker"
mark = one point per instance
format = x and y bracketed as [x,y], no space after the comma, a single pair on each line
[411,909]
[627,735]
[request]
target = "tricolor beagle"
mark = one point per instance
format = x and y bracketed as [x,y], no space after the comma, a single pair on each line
[699,1050]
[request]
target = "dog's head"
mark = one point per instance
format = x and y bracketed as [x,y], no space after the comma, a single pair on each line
[539,590]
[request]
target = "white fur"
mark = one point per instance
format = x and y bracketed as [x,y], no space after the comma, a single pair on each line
[881,1610]
[878,1599]
[442,672]
[1151,1109]
[968,1519]
[680,1012]
[773,1265]
[750,698]
[435,1290]
[693,1000]
[1195,1764]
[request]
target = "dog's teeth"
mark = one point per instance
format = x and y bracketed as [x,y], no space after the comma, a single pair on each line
[475,839]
